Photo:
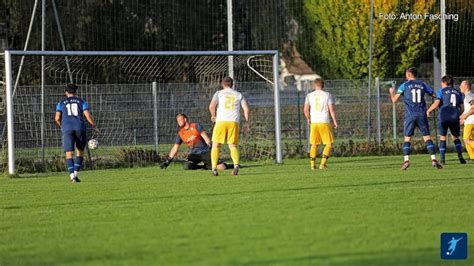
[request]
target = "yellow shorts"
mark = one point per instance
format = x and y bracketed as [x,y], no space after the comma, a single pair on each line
[321,133]
[468,132]
[226,132]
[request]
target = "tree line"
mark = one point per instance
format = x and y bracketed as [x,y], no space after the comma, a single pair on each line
[332,36]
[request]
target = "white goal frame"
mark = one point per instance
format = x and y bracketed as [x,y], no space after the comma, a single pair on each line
[9,84]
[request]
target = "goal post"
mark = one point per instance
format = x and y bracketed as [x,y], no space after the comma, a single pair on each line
[9,100]
[204,69]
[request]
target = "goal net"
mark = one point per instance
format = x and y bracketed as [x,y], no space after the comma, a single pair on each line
[134,98]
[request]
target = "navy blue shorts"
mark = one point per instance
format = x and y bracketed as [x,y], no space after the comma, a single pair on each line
[74,139]
[420,121]
[202,157]
[453,126]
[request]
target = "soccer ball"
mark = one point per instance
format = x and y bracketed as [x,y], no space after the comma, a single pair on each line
[93,144]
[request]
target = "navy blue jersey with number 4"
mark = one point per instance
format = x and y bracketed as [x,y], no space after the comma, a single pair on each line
[414,96]
[450,105]
[72,113]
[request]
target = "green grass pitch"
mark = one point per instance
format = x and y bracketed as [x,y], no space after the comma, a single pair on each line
[361,211]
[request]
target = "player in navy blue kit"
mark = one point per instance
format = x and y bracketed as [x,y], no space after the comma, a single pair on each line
[71,114]
[450,103]
[413,92]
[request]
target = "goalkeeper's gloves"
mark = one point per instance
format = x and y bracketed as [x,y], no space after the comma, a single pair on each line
[166,162]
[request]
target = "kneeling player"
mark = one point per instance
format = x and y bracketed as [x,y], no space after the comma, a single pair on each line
[198,141]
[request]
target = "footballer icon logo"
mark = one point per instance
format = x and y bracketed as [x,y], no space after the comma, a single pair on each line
[454,246]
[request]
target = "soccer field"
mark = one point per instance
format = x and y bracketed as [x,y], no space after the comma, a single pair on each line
[361,211]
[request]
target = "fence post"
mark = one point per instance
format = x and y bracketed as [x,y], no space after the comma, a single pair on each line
[154,86]
[308,145]
[377,87]
[369,110]
[371,30]
[299,118]
[394,117]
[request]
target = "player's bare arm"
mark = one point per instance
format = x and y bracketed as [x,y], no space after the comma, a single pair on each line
[57,119]
[332,111]
[212,110]
[432,107]
[89,119]
[306,113]
[206,138]
[174,150]
[468,113]
[246,109]
[167,161]
[461,108]
[393,96]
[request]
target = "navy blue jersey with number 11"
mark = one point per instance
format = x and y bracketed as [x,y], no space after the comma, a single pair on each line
[72,114]
[414,96]
[450,104]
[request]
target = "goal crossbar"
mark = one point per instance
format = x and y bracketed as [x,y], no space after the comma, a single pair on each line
[139,53]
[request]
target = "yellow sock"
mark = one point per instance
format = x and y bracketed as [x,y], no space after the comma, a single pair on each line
[312,155]
[470,150]
[214,157]
[235,155]
[326,153]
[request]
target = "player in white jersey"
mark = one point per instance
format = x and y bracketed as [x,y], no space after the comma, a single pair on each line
[467,118]
[227,118]
[318,106]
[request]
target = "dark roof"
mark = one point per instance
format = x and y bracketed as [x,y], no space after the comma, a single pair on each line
[294,62]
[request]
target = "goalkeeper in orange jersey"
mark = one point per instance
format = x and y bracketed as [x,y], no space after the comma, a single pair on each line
[199,143]
[318,106]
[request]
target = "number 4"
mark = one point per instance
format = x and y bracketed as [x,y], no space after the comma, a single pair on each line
[453,100]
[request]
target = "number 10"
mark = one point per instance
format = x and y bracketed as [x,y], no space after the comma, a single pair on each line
[72,109]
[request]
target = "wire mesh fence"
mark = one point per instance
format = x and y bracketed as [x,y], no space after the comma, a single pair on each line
[120,90]
[368,123]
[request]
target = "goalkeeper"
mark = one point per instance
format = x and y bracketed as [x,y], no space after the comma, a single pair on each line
[199,144]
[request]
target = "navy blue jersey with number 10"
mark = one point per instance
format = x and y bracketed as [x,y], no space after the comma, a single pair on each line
[414,96]
[450,104]
[72,114]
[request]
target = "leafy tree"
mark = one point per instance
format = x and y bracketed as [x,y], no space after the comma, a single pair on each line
[340,36]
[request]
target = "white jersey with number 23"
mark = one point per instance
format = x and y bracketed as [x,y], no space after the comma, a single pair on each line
[228,105]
